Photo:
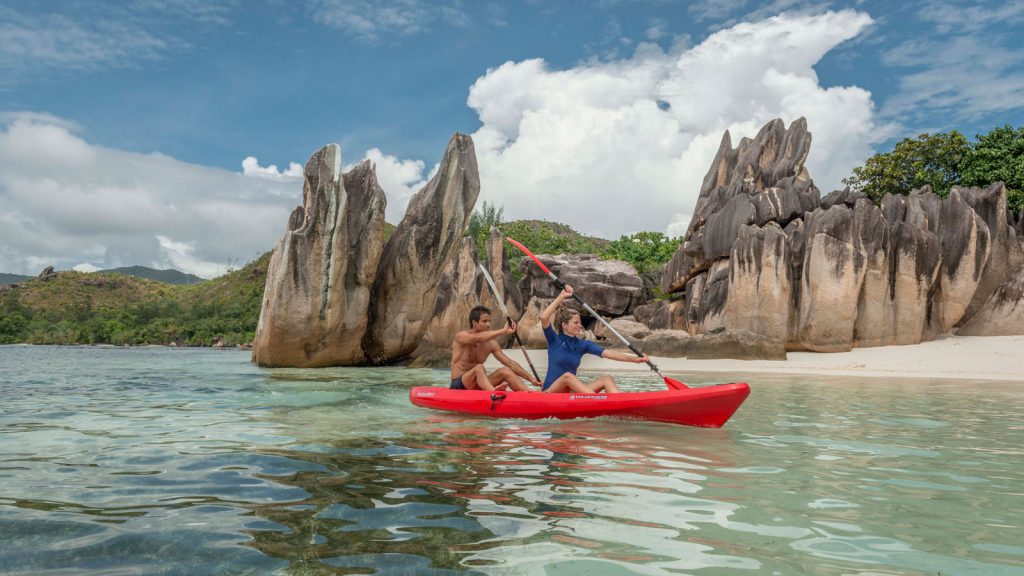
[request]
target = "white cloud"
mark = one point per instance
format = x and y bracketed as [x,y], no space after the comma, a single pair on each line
[86,267]
[399,179]
[66,202]
[596,146]
[251,167]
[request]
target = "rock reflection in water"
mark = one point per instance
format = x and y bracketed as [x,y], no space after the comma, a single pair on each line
[464,494]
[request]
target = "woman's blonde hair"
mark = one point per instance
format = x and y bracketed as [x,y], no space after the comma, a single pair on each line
[564,315]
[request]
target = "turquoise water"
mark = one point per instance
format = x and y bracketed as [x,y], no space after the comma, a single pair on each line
[167,461]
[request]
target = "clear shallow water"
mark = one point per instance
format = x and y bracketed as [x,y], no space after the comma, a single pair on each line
[164,461]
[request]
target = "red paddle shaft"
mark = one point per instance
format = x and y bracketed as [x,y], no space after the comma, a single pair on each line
[561,285]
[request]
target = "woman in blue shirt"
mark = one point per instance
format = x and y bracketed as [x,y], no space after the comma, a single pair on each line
[566,350]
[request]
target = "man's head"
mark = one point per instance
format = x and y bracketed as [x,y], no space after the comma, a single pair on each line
[480,318]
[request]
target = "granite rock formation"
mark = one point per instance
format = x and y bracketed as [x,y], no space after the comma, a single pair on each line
[462,287]
[1003,313]
[763,255]
[416,255]
[317,290]
[610,287]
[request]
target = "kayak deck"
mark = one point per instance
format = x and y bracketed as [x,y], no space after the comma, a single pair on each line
[708,407]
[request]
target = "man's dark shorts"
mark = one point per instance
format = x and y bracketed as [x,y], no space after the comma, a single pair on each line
[457,384]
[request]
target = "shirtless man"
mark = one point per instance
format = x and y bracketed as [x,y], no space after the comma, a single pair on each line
[471,348]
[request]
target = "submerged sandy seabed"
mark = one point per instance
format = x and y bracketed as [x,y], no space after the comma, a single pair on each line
[950,357]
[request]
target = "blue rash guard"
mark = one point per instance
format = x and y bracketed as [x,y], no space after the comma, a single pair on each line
[565,354]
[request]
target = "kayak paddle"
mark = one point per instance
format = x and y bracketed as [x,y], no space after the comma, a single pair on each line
[671,383]
[508,317]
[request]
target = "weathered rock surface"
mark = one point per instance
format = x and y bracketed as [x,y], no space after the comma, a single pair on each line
[1003,313]
[832,275]
[530,331]
[458,291]
[416,255]
[764,255]
[763,180]
[662,315]
[666,343]
[1005,253]
[735,344]
[760,295]
[626,325]
[47,274]
[318,280]
[462,287]
[610,287]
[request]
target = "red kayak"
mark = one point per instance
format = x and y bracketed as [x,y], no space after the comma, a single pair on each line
[709,407]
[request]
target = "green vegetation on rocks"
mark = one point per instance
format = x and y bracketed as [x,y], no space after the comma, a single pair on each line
[79,308]
[945,160]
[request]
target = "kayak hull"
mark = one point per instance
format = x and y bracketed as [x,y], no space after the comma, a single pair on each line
[708,407]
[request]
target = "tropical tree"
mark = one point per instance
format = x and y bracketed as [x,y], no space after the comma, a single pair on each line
[480,224]
[945,160]
[644,250]
[935,160]
[998,156]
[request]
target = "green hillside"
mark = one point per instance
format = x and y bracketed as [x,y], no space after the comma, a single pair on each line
[79,308]
[167,276]
[12,278]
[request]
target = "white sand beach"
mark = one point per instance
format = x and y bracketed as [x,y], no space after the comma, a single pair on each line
[949,358]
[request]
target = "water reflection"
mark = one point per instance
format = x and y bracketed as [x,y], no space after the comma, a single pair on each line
[213,466]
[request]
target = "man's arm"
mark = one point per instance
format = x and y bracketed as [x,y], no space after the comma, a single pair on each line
[514,366]
[465,337]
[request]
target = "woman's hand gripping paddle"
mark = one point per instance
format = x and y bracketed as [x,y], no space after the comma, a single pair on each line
[508,318]
[671,383]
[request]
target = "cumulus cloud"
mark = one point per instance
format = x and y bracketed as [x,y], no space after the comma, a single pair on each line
[67,202]
[617,147]
[399,179]
[251,167]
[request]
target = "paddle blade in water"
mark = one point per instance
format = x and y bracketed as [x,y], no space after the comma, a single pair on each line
[674,384]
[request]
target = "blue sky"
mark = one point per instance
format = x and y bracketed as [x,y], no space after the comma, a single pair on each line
[124,126]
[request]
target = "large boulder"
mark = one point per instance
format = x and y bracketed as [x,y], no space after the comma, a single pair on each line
[706,296]
[317,289]
[610,287]
[965,245]
[416,255]
[1005,253]
[627,326]
[462,287]
[1003,313]
[760,285]
[458,291]
[662,314]
[735,344]
[761,180]
[666,343]
[501,272]
[530,331]
[874,315]
[833,271]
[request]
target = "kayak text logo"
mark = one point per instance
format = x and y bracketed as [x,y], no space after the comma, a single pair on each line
[586,397]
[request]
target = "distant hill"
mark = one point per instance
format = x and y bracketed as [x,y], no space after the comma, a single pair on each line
[12,278]
[543,237]
[98,308]
[166,276]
